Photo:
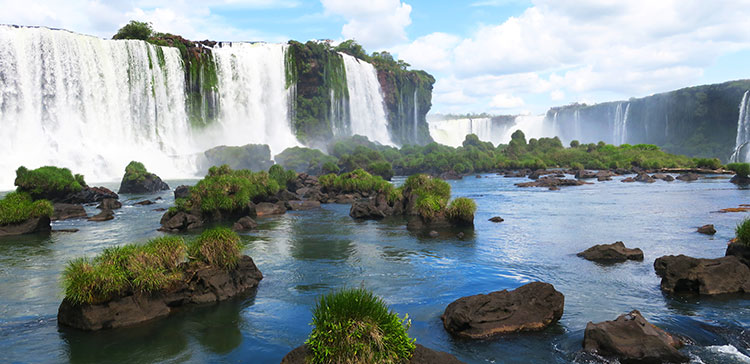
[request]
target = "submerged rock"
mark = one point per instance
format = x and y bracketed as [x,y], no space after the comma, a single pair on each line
[421,355]
[628,179]
[632,339]
[740,180]
[687,177]
[103,216]
[663,177]
[245,223]
[269,209]
[644,177]
[552,182]
[615,252]
[297,205]
[64,211]
[707,229]
[683,274]
[530,307]
[203,284]
[109,204]
[496,219]
[583,174]
[33,225]
[144,203]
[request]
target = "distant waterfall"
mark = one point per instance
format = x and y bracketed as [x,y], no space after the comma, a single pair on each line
[91,105]
[366,106]
[741,151]
[620,130]
[416,118]
[254,100]
[577,125]
[452,132]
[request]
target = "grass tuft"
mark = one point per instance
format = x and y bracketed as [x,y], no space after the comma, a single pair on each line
[357,180]
[136,171]
[17,207]
[224,189]
[219,247]
[462,209]
[742,232]
[48,182]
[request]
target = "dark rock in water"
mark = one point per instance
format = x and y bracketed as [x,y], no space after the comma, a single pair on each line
[616,252]
[496,219]
[91,195]
[64,211]
[628,179]
[632,339]
[371,208]
[202,284]
[65,231]
[160,209]
[479,176]
[345,199]
[433,234]
[144,203]
[530,307]
[644,177]
[268,209]
[180,221]
[103,216]
[552,182]
[109,204]
[421,355]
[460,235]
[245,223]
[554,188]
[298,205]
[450,175]
[33,225]
[583,174]
[181,192]
[255,157]
[683,274]
[740,180]
[286,195]
[536,174]
[663,177]
[603,178]
[149,183]
[707,229]
[740,251]
[688,177]
[159,199]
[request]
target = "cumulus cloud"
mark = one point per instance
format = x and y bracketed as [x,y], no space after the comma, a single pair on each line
[374,23]
[505,101]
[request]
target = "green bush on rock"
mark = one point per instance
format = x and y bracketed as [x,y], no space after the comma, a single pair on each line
[281,176]
[432,194]
[17,207]
[48,182]
[355,181]
[742,232]
[134,30]
[311,161]
[742,169]
[219,247]
[355,326]
[462,209]
[135,171]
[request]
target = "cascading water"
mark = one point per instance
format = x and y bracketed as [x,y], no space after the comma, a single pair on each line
[255,103]
[366,106]
[452,132]
[90,105]
[620,130]
[532,126]
[741,151]
[416,118]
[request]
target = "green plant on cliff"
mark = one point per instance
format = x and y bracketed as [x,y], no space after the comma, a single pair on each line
[742,232]
[48,182]
[17,207]
[355,326]
[134,30]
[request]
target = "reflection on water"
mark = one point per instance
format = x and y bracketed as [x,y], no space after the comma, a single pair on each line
[307,253]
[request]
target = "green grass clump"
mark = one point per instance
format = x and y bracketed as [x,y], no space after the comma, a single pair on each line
[219,247]
[281,176]
[224,189]
[18,207]
[354,326]
[47,182]
[432,194]
[355,181]
[742,169]
[462,209]
[742,232]
[302,159]
[135,171]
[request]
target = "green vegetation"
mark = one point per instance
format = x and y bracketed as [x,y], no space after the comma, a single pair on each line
[17,207]
[307,160]
[255,157]
[356,181]
[48,182]
[146,268]
[711,163]
[432,194]
[355,326]
[135,171]
[462,209]
[741,169]
[281,176]
[134,30]
[742,231]
[229,191]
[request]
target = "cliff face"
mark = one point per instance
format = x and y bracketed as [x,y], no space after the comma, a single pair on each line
[408,98]
[697,121]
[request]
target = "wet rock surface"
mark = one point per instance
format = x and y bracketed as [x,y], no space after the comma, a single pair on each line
[683,274]
[707,229]
[421,355]
[64,211]
[615,252]
[33,225]
[109,204]
[103,216]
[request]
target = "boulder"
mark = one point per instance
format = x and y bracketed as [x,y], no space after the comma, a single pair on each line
[530,307]
[450,175]
[103,216]
[181,191]
[91,195]
[603,178]
[632,339]
[688,177]
[286,195]
[64,211]
[552,182]
[297,205]
[33,225]
[244,223]
[663,177]
[740,180]
[109,204]
[496,219]
[368,208]
[741,251]
[202,284]
[268,209]
[536,174]
[707,229]
[421,355]
[345,199]
[615,252]
[683,274]
[628,179]
[644,177]
[151,183]
[180,221]
[144,203]
[583,174]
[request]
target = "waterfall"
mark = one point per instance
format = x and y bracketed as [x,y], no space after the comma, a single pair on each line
[624,133]
[620,131]
[255,103]
[577,125]
[366,106]
[741,152]
[452,132]
[90,105]
[532,126]
[416,118]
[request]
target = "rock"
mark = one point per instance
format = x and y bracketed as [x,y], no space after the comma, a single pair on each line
[632,339]
[144,203]
[554,188]
[603,178]
[421,355]
[298,205]
[268,209]
[536,174]
[433,234]
[740,180]
[33,225]
[345,199]
[496,219]
[91,195]
[180,221]
[103,216]
[450,175]
[286,195]
[583,174]
[616,252]
[741,251]
[109,204]
[628,179]
[160,209]
[479,176]
[663,177]
[460,235]
[245,223]
[368,209]
[64,211]
[202,284]
[151,183]
[552,182]
[181,191]
[65,231]
[687,177]
[683,274]
[644,177]
[707,229]
[530,307]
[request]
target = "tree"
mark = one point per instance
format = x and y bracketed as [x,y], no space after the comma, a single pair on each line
[574,143]
[135,30]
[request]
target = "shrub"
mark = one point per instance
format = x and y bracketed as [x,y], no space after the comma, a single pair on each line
[355,181]
[742,169]
[218,247]
[742,231]
[382,169]
[712,163]
[224,189]
[330,167]
[355,326]
[18,207]
[134,30]
[574,144]
[306,160]
[135,171]
[462,209]
[281,176]
[47,182]
[432,194]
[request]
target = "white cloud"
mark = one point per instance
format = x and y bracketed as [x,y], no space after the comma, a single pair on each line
[557,95]
[505,101]
[429,52]
[375,23]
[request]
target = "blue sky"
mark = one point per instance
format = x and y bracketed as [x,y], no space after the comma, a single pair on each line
[498,56]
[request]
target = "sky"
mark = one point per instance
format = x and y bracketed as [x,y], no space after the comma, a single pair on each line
[495,56]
